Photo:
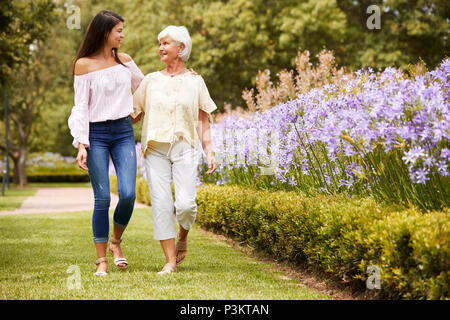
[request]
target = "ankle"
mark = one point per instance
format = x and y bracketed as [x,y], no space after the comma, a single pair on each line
[182,237]
[172,260]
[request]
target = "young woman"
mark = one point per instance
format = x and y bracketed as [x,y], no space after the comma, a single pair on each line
[101,127]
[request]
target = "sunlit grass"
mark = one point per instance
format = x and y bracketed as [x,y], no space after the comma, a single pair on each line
[37,250]
[14,196]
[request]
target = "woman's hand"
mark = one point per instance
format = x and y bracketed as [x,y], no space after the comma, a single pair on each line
[82,157]
[193,72]
[137,119]
[211,162]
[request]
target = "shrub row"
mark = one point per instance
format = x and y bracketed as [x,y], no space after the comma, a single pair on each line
[342,236]
[142,193]
[58,177]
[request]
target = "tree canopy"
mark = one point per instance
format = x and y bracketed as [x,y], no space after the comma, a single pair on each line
[232,41]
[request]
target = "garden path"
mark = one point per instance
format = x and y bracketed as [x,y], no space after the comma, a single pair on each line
[48,200]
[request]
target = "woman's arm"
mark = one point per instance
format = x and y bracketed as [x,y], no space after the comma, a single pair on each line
[79,118]
[139,98]
[204,133]
[206,106]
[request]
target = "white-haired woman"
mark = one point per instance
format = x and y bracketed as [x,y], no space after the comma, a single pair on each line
[176,106]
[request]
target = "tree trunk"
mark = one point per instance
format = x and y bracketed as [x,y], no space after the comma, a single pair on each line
[15,178]
[21,154]
[22,174]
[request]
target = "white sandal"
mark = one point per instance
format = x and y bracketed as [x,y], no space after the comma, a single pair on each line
[100,273]
[118,261]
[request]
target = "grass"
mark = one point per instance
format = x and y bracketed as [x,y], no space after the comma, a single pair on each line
[14,197]
[37,250]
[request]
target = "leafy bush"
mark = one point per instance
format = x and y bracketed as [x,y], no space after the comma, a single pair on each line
[340,235]
[142,193]
[80,176]
[52,167]
[50,162]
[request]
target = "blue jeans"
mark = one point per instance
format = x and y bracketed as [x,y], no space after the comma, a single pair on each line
[113,138]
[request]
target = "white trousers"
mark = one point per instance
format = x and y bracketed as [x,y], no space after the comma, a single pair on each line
[165,163]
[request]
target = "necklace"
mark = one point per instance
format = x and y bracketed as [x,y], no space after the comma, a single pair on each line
[177,73]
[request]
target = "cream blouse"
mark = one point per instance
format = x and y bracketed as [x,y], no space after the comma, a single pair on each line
[170,106]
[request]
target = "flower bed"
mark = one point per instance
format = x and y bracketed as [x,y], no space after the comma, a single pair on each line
[384,135]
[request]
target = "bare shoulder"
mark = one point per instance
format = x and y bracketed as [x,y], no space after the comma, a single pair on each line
[124,57]
[82,66]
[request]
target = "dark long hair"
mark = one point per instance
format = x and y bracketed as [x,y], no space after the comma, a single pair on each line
[97,34]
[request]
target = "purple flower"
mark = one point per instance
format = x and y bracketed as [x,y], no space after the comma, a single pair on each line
[443,168]
[421,175]
[412,155]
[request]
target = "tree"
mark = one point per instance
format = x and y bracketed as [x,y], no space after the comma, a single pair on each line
[410,29]
[233,40]
[25,79]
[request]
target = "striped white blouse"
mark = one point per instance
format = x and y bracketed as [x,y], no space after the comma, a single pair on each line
[102,95]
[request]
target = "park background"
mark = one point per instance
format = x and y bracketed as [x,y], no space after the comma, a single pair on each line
[346,196]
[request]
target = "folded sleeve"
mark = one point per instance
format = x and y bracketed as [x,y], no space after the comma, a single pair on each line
[139,97]
[205,102]
[79,118]
[136,75]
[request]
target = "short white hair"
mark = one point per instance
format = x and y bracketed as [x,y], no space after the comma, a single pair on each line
[180,35]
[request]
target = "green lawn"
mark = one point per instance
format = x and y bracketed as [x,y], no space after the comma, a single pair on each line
[14,197]
[37,250]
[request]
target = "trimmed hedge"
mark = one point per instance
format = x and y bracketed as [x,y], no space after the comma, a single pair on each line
[342,236]
[58,177]
[142,193]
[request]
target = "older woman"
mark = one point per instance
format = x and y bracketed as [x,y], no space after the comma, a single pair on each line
[176,107]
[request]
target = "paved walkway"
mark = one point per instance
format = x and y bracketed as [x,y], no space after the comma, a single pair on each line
[48,200]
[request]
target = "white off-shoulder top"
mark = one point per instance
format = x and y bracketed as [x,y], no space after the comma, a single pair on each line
[102,95]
